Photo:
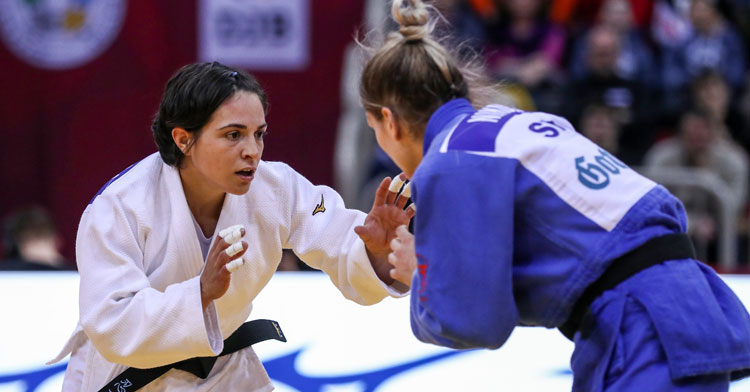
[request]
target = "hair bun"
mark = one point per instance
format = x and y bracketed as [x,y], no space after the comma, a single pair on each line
[413,17]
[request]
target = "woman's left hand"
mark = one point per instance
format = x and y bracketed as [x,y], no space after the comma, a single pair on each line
[403,258]
[379,229]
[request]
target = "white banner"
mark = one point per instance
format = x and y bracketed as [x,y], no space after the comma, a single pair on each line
[333,344]
[255,34]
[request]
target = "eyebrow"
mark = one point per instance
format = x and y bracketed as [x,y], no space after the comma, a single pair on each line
[242,126]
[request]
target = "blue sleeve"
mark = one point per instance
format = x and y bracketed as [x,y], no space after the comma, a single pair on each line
[462,293]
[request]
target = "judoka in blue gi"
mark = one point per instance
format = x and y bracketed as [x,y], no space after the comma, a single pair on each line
[522,221]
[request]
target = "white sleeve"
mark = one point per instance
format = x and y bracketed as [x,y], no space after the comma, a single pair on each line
[127,320]
[327,241]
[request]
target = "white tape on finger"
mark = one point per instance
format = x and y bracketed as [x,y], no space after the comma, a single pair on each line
[229,230]
[395,184]
[233,237]
[407,191]
[234,264]
[234,249]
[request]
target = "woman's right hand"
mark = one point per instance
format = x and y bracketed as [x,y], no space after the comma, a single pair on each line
[215,277]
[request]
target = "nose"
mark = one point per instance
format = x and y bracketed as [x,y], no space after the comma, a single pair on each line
[251,149]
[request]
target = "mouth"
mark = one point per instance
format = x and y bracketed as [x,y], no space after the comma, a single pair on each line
[245,174]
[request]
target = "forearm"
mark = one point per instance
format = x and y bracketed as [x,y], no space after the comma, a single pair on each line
[381,267]
[151,328]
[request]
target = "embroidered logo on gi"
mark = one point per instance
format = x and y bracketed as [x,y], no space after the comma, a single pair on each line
[320,207]
[596,175]
[123,385]
[422,270]
[278,330]
[547,128]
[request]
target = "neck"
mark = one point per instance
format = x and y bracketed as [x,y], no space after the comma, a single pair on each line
[204,202]
[414,156]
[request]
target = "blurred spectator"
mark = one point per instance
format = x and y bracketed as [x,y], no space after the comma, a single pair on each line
[713,44]
[599,123]
[31,242]
[739,14]
[577,15]
[522,44]
[700,147]
[629,99]
[519,45]
[635,60]
[743,105]
[710,92]
[670,25]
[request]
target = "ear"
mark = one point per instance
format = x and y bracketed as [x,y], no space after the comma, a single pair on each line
[181,138]
[392,125]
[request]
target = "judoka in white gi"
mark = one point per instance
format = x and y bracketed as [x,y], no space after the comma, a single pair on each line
[154,284]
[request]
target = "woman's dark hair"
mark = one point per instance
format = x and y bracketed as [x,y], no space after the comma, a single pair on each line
[191,96]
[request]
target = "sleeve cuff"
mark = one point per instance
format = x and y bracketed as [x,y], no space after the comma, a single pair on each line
[211,330]
[396,289]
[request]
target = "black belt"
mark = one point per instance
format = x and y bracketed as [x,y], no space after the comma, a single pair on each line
[655,251]
[249,333]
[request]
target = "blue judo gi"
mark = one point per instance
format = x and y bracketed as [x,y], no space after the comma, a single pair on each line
[517,214]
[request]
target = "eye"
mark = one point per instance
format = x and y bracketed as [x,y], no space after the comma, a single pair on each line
[233,135]
[260,134]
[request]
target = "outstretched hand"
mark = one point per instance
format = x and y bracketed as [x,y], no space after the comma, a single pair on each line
[379,229]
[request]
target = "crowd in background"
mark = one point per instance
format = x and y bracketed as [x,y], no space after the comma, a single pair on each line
[659,83]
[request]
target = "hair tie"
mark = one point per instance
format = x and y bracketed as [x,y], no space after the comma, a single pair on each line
[413,33]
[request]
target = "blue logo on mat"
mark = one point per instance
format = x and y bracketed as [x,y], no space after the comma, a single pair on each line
[282,369]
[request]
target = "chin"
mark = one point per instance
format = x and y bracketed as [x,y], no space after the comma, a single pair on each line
[239,190]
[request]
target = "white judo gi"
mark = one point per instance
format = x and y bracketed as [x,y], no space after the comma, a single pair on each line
[140,263]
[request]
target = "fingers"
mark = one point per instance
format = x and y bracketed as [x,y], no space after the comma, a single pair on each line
[394,188]
[403,238]
[411,210]
[401,277]
[233,247]
[234,253]
[395,246]
[232,234]
[397,272]
[393,191]
[234,264]
[404,196]
[362,232]
[392,259]
[402,257]
[382,192]
[402,232]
